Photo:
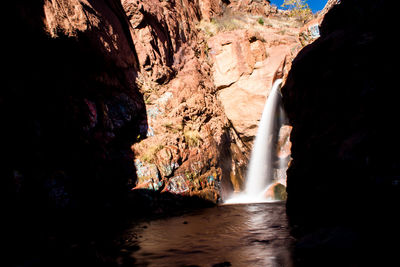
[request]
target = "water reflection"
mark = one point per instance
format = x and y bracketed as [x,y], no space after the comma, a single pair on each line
[240,235]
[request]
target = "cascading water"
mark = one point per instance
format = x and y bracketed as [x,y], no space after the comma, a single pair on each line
[260,172]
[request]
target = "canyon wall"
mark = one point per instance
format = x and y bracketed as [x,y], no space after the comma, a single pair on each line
[341,99]
[189,147]
[102,97]
[237,52]
[106,98]
[250,47]
[195,60]
[70,105]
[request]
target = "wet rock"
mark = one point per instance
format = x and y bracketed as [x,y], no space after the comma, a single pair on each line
[238,171]
[276,191]
[284,145]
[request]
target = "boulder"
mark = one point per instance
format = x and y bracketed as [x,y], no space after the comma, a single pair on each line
[276,191]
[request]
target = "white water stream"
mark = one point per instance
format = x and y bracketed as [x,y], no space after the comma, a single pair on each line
[260,172]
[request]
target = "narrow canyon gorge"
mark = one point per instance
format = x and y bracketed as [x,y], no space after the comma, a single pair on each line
[127,125]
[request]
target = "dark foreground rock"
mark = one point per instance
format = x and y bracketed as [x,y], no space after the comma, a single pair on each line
[69,106]
[341,100]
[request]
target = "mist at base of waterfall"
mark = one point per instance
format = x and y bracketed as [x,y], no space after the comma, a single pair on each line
[245,198]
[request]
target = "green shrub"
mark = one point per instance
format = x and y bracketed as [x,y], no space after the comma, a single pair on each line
[260,21]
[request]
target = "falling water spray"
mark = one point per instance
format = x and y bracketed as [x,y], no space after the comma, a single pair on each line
[260,170]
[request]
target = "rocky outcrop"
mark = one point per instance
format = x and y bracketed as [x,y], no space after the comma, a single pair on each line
[340,100]
[160,32]
[212,8]
[329,4]
[188,142]
[69,106]
[250,46]
[189,147]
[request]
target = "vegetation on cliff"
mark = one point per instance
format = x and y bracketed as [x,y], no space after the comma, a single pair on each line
[298,9]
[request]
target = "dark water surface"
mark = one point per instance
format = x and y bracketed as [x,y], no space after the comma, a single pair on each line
[230,235]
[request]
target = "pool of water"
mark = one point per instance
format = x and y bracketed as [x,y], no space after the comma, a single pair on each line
[227,235]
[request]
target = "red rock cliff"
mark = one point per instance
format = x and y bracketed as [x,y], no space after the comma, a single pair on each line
[189,147]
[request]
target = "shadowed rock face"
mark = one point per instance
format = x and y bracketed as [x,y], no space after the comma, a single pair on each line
[69,105]
[341,102]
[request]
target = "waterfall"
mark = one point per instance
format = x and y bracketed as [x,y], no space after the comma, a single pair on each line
[260,172]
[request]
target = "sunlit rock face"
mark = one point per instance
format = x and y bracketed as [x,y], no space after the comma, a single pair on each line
[189,147]
[340,100]
[245,62]
[162,31]
[211,8]
[69,106]
[204,92]
[251,45]
[261,8]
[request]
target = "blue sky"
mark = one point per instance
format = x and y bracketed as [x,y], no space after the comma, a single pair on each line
[315,5]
